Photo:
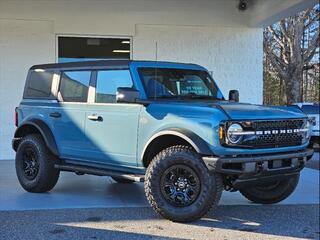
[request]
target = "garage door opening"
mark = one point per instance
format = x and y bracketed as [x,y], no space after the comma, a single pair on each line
[73,49]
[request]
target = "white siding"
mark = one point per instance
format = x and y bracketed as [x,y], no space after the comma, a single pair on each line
[22,44]
[233,55]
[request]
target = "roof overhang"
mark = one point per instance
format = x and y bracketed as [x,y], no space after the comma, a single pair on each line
[266,12]
[128,13]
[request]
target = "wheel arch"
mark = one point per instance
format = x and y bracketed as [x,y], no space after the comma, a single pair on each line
[36,126]
[171,137]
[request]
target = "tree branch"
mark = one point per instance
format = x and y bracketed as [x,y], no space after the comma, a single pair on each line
[276,62]
[312,20]
[275,36]
[314,44]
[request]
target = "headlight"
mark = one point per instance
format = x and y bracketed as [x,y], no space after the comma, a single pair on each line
[233,133]
[309,131]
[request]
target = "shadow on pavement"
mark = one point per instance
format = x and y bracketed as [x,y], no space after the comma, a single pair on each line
[227,222]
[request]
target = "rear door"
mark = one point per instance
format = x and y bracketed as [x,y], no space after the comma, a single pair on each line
[68,114]
[111,127]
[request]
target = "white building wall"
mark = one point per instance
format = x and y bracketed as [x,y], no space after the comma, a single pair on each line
[22,44]
[232,51]
[233,55]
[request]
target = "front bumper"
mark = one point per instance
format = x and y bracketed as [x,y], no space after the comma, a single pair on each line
[245,170]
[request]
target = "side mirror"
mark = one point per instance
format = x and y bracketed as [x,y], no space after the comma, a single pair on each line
[234,95]
[127,95]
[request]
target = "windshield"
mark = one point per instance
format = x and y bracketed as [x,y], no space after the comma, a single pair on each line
[178,83]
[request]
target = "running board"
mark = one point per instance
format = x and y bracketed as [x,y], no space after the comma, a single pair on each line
[78,169]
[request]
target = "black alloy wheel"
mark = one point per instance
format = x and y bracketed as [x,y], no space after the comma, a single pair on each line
[30,163]
[180,185]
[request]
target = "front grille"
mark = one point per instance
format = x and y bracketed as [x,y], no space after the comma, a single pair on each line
[275,140]
[282,124]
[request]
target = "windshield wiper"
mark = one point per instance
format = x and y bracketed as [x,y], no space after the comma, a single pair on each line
[186,96]
[165,96]
[196,96]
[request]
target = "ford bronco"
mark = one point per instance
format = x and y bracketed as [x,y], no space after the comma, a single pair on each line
[165,124]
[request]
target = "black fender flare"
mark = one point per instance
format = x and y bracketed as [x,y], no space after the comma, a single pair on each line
[44,130]
[193,139]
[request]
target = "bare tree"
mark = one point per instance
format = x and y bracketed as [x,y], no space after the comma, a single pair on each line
[287,53]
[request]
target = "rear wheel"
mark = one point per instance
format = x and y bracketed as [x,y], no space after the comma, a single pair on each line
[272,192]
[35,165]
[179,186]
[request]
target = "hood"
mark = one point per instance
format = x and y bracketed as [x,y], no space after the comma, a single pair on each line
[232,110]
[241,111]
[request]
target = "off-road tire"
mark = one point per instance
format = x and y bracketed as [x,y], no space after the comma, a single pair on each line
[279,192]
[210,191]
[47,176]
[122,180]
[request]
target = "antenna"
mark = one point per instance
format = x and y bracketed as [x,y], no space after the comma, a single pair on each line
[156,74]
[156,51]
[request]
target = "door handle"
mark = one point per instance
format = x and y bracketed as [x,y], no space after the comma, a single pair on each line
[55,114]
[95,118]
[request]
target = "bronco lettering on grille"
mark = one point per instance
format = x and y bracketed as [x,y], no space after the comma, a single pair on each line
[281,131]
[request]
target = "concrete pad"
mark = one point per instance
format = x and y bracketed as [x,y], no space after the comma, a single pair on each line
[87,191]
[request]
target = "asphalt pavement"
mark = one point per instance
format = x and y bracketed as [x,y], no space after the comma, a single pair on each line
[227,222]
[89,207]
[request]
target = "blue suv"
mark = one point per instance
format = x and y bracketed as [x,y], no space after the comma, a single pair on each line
[165,124]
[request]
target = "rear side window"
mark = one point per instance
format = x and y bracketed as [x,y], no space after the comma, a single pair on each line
[74,86]
[108,82]
[39,84]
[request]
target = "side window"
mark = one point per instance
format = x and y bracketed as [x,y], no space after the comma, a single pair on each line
[107,83]
[74,86]
[39,84]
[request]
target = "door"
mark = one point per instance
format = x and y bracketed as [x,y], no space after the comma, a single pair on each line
[68,116]
[112,127]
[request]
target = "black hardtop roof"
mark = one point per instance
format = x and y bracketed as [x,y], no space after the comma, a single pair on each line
[98,63]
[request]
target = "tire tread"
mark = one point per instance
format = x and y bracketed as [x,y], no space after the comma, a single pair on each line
[153,169]
[48,175]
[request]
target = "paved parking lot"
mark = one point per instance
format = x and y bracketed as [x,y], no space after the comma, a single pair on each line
[89,207]
[227,222]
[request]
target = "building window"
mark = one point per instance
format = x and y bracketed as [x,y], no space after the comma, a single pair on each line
[73,49]
[108,82]
[74,86]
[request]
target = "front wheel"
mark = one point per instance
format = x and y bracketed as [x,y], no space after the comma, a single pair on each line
[179,186]
[272,192]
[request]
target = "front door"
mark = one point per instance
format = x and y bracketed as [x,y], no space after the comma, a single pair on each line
[112,127]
